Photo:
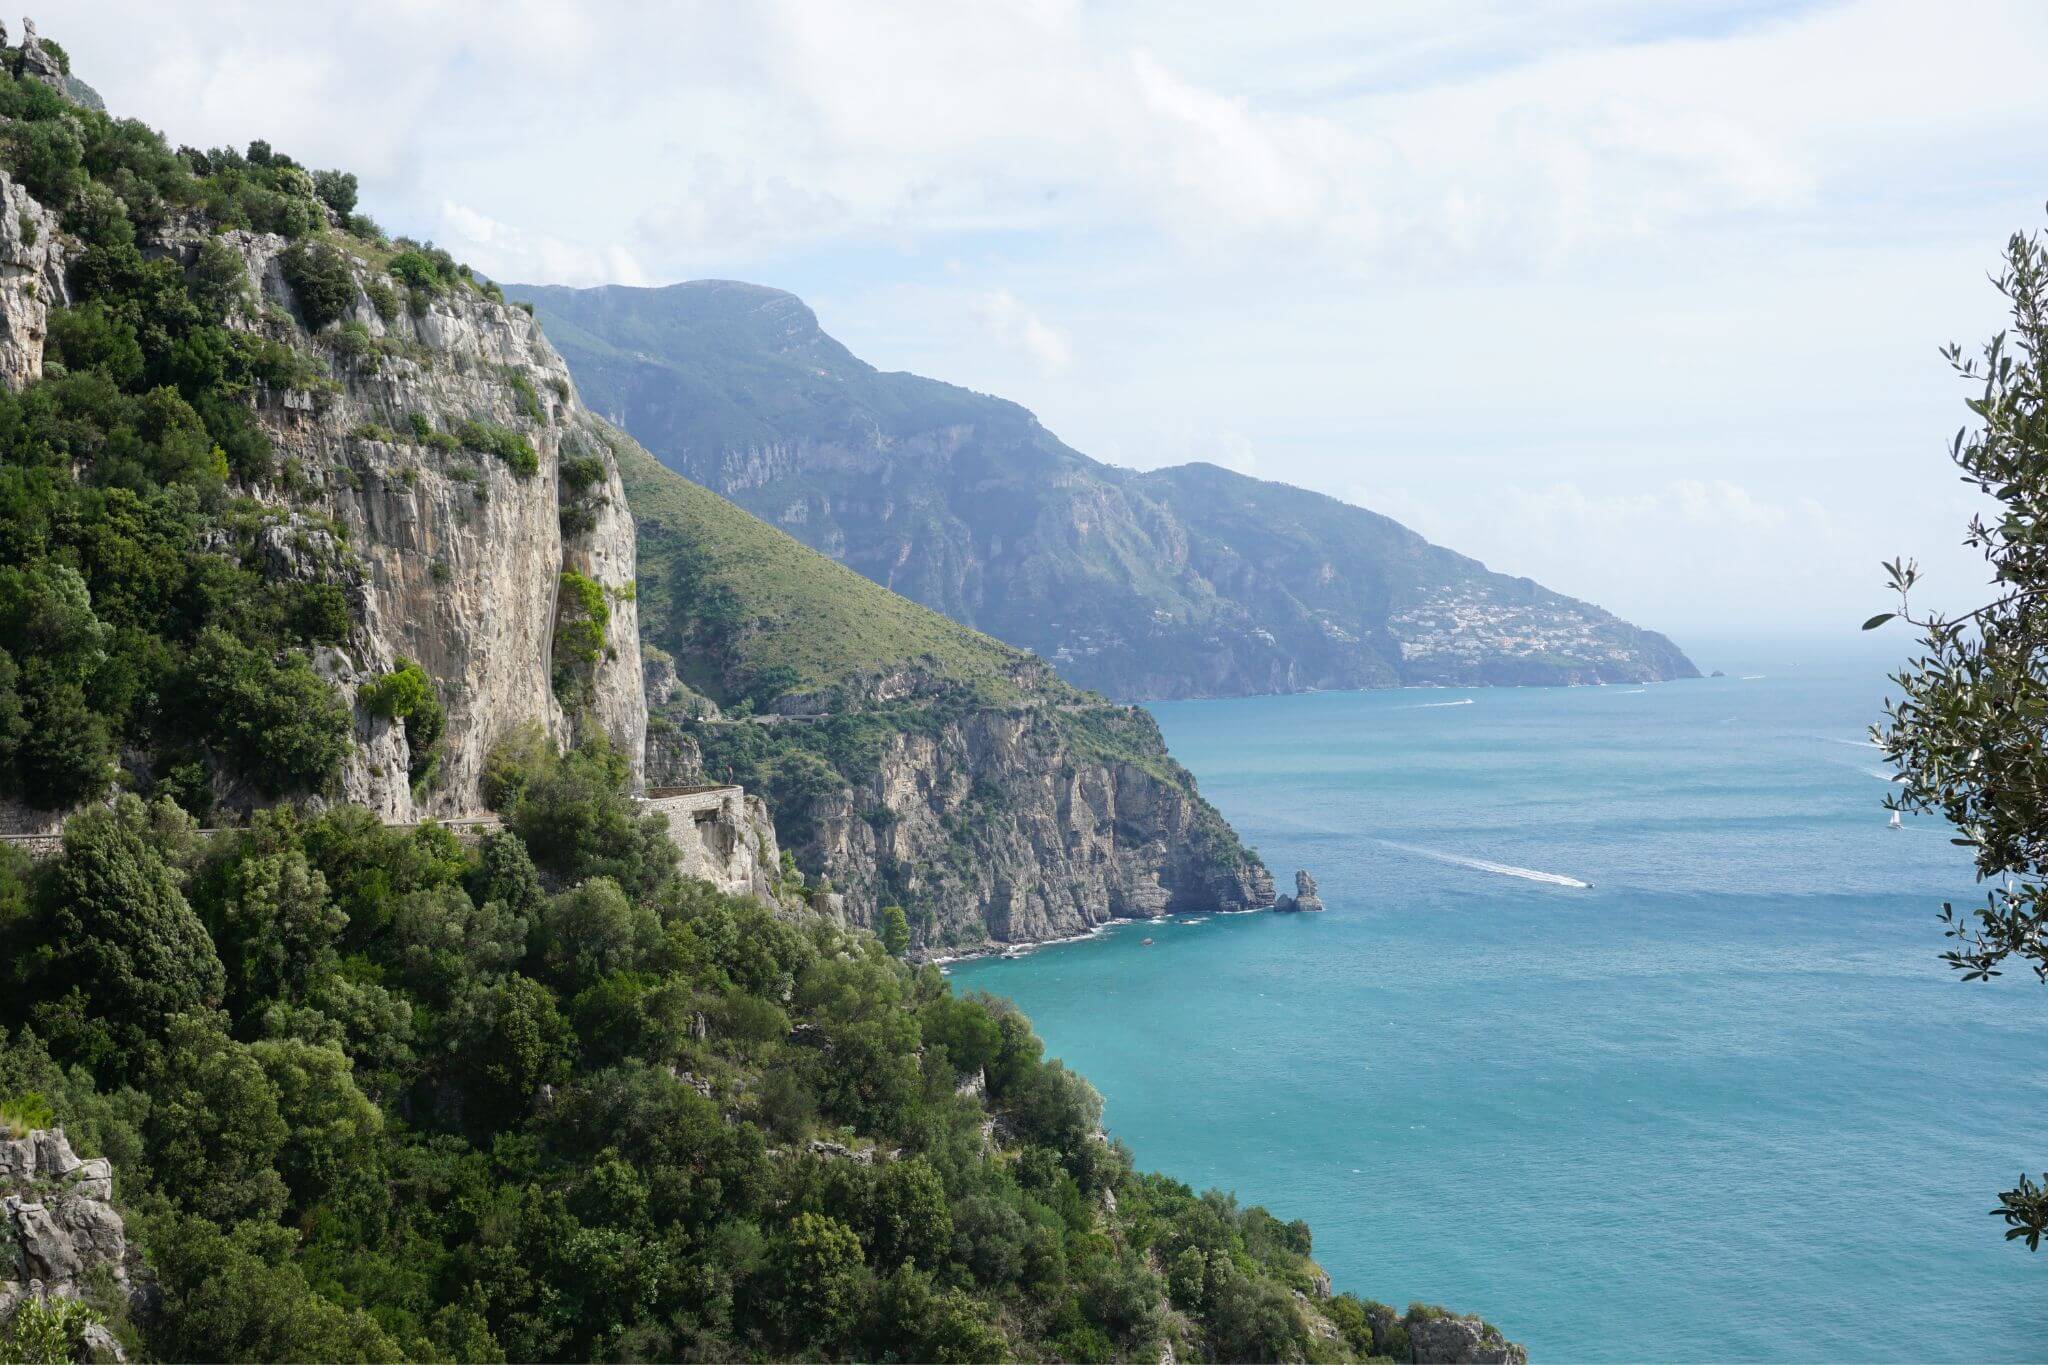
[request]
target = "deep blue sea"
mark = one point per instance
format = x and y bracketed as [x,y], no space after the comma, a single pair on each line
[1723,1102]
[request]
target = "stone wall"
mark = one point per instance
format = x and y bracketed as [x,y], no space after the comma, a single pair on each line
[725,837]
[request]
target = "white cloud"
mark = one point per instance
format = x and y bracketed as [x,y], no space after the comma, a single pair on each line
[1537,276]
[504,252]
[1013,324]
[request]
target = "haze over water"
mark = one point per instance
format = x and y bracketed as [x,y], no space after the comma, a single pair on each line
[1722,1101]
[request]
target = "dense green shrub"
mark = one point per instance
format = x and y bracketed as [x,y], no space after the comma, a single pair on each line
[407,694]
[582,616]
[490,439]
[375,1094]
[322,283]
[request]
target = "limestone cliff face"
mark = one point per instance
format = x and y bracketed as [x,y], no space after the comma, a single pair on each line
[453,558]
[60,1235]
[1003,826]
[450,556]
[33,258]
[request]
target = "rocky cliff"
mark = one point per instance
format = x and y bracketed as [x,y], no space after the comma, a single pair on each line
[392,481]
[1187,581]
[989,824]
[454,557]
[60,1235]
[909,760]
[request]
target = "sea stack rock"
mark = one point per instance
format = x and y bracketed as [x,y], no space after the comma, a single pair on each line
[1304,897]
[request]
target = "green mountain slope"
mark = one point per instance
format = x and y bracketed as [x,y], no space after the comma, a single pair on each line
[749,611]
[1185,581]
[910,760]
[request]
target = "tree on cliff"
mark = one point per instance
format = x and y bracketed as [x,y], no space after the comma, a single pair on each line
[1969,728]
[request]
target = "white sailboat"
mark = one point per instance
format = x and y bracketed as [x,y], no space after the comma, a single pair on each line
[1895,822]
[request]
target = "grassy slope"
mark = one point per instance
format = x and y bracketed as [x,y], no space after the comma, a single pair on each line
[797,609]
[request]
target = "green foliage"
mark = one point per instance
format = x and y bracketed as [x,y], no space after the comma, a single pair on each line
[136,612]
[407,694]
[124,956]
[337,190]
[524,393]
[487,438]
[726,589]
[321,282]
[382,1095]
[46,1332]
[19,1114]
[1968,729]
[384,299]
[582,615]
[276,719]
[894,930]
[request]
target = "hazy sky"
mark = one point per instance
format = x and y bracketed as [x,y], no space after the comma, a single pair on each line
[1641,300]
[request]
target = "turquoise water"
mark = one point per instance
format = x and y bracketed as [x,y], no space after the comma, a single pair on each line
[1722,1103]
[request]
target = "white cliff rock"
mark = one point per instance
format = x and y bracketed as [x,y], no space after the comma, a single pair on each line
[453,558]
[33,257]
[59,1230]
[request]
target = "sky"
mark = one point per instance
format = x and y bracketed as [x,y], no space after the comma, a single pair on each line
[1643,301]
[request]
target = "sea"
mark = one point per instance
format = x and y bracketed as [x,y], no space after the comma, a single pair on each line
[1625,1026]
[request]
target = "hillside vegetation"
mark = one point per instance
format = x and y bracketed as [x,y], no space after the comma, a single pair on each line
[749,612]
[375,1095]
[372,1091]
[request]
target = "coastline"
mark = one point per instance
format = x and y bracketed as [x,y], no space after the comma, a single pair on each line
[945,960]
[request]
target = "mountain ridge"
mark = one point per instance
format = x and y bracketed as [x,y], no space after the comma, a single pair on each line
[1139,584]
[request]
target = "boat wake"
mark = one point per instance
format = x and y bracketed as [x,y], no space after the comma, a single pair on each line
[1484,865]
[1432,705]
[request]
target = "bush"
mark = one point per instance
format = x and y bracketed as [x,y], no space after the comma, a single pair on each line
[490,439]
[21,1114]
[384,299]
[337,190]
[47,1332]
[322,284]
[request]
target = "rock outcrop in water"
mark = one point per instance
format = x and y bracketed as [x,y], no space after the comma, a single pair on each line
[1304,897]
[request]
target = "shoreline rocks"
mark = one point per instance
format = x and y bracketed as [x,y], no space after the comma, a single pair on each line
[1304,897]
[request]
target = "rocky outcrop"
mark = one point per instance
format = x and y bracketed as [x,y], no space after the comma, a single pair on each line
[1304,897]
[1005,826]
[60,1235]
[453,557]
[450,555]
[33,258]
[1447,1340]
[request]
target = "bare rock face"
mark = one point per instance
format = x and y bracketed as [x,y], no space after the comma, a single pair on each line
[1015,835]
[453,558]
[1461,1341]
[33,257]
[58,1226]
[725,836]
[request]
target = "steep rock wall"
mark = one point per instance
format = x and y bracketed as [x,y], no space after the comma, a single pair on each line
[1002,826]
[454,559]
